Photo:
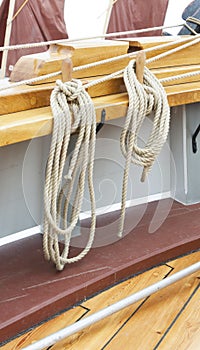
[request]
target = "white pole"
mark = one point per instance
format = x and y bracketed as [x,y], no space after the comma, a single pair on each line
[88,321]
[7,38]
[108,14]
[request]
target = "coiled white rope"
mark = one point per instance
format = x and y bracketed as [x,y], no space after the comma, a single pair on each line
[146,98]
[72,108]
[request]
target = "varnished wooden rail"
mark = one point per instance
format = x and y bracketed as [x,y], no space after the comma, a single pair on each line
[25,125]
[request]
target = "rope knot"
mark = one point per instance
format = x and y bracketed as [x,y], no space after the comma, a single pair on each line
[71,89]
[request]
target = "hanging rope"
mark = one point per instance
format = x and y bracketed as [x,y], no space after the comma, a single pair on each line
[143,99]
[72,108]
[69,101]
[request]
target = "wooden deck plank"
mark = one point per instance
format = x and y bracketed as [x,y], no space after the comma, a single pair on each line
[185,333]
[145,329]
[185,261]
[46,329]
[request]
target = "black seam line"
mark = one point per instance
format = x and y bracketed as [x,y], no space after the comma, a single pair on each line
[176,318]
[41,323]
[85,313]
[169,272]
[114,335]
[78,319]
[85,307]
[171,267]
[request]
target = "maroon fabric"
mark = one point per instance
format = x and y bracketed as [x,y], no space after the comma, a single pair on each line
[39,20]
[137,14]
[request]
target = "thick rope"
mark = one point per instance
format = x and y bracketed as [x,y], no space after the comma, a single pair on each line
[69,101]
[109,35]
[143,99]
[146,98]
[72,108]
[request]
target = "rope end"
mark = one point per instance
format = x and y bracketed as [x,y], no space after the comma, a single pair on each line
[144,175]
[120,233]
[59,267]
[68,177]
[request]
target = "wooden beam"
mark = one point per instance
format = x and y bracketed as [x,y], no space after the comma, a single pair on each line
[81,53]
[28,97]
[25,125]
[184,57]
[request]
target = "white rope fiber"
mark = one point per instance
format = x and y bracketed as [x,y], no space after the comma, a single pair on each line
[144,99]
[72,108]
[30,81]
[179,76]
